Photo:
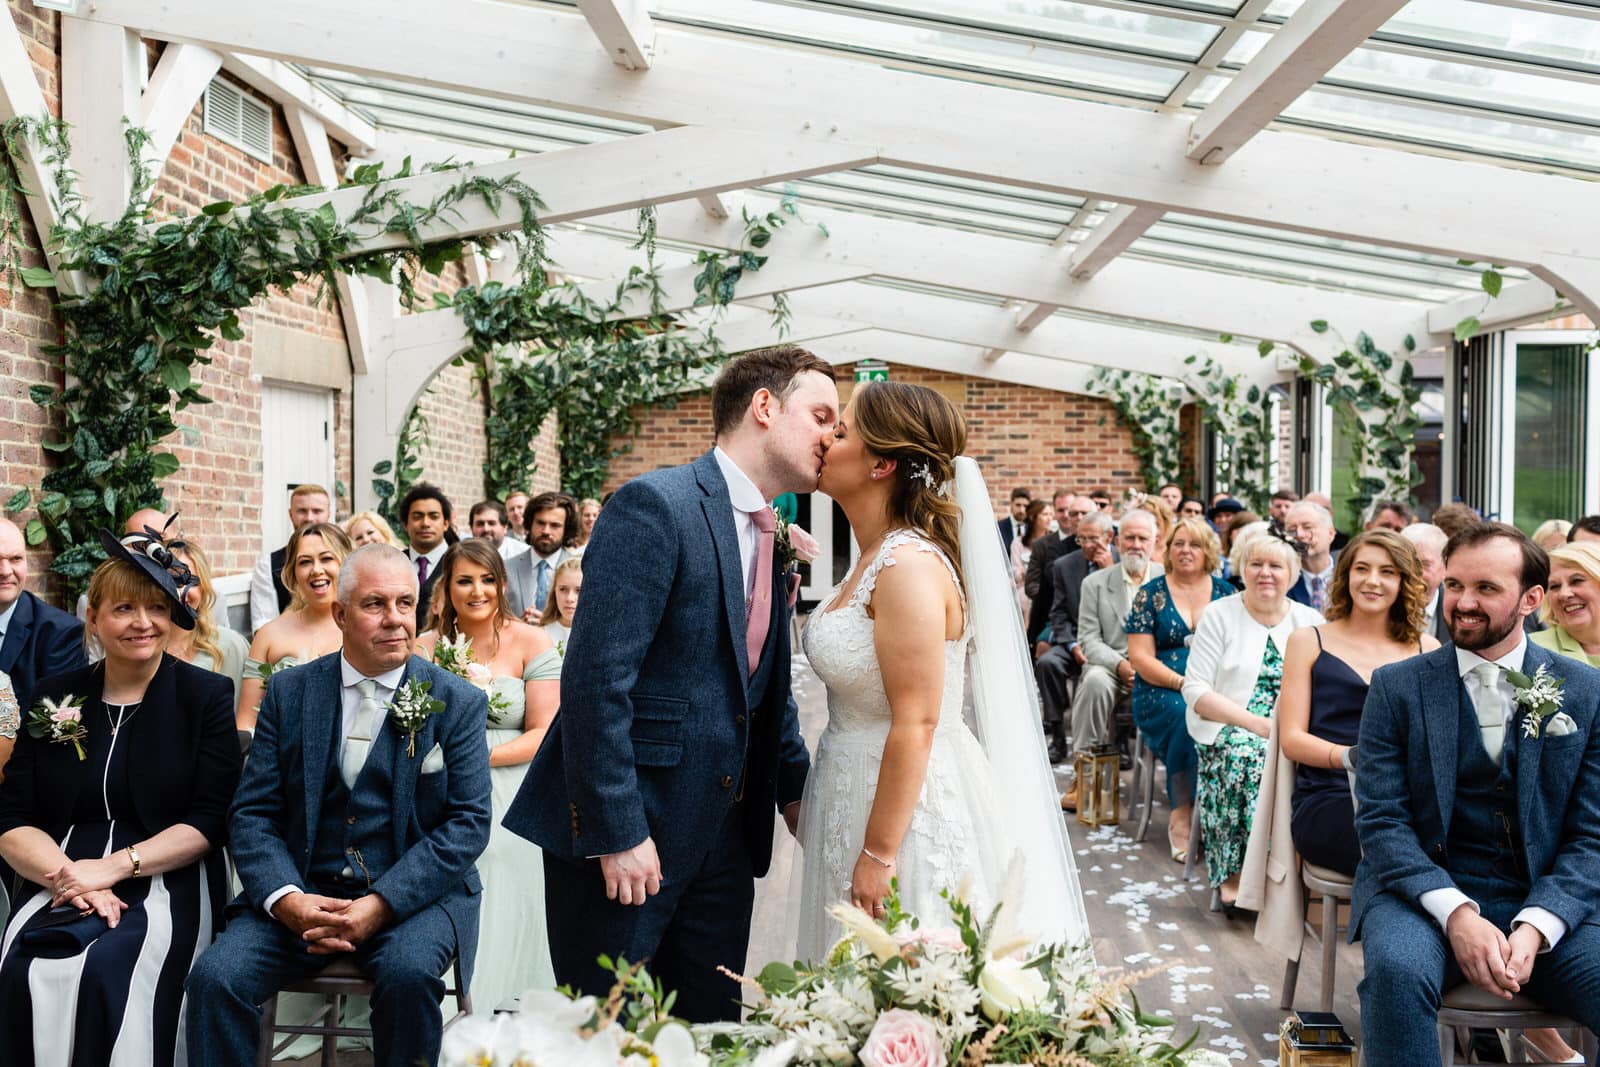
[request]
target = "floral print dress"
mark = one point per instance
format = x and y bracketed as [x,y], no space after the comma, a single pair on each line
[1230,776]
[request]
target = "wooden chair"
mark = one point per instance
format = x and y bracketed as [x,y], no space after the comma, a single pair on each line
[337,981]
[1466,1008]
[1333,888]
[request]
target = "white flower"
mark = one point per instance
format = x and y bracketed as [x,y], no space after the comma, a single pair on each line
[674,1047]
[863,927]
[1006,986]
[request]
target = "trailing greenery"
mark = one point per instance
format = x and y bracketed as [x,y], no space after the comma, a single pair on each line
[1241,416]
[158,295]
[1148,406]
[406,467]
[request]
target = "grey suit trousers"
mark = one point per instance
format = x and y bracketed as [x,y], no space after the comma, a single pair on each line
[1093,706]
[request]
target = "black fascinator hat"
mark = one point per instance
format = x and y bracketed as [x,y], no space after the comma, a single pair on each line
[149,552]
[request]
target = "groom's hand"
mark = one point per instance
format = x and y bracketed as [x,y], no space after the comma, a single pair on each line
[791,818]
[1525,942]
[1482,951]
[633,875]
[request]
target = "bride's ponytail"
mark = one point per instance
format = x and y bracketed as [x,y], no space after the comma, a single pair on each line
[924,433]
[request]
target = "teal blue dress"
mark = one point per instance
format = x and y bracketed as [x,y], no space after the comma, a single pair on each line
[1159,712]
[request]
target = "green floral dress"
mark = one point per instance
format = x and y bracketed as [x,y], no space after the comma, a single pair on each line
[1230,776]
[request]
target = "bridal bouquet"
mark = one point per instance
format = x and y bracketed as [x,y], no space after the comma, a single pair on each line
[456,657]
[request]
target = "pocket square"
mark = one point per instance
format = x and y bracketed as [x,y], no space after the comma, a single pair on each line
[433,762]
[1560,725]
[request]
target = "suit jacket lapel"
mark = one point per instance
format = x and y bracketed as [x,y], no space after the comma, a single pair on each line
[1442,694]
[403,768]
[725,539]
[1528,751]
[318,720]
[17,633]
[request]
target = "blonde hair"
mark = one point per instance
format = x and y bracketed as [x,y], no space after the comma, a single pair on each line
[205,623]
[1267,545]
[1581,555]
[310,489]
[1163,515]
[333,536]
[385,534]
[1408,613]
[1199,531]
[116,581]
[1551,528]
[923,433]
[552,613]
[1241,538]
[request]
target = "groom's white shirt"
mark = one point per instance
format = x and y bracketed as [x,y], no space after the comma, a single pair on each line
[745,498]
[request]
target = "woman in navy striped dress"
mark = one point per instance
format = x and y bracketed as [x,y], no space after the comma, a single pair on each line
[121,844]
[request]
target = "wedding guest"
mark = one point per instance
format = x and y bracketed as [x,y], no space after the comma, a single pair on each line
[1278,507]
[425,514]
[269,597]
[1221,512]
[370,528]
[1036,583]
[552,526]
[1171,495]
[1238,521]
[1323,501]
[1036,524]
[1429,541]
[1106,675]
[1312,525]
[1160,625]
[307,630]
[1230,691]
[1191,507]
[117,831]
[1060,664]
[1453,518]
[589,513]
[490,521]
[563,605]
[1585,529]
[1571,608]
[36,640]
[1551,533]
[10,724]
[1375,616]
[516,513]
[1390,515]
[524,681]
[208,646]
[1164,515]
[1101,497]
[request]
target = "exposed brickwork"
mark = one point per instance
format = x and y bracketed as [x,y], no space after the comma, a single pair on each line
[1018,434]
[453,459]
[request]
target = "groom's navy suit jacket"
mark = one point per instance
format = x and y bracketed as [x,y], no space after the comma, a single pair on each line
[1406,786]
[418,834]
[661,724]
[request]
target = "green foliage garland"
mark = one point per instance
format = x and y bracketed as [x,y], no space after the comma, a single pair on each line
[1242,418]
[157,298]
[1145,404]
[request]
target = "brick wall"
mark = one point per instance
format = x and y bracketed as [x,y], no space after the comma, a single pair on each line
[454,456]
[1018,434]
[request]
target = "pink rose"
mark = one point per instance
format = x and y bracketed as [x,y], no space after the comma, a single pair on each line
[479,675]
[903,1038]
[944,937]
[805,546]
[68,713]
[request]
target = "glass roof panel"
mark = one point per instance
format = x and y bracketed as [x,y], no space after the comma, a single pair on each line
[1488,28]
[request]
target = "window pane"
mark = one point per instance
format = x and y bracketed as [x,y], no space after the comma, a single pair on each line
[1551,398]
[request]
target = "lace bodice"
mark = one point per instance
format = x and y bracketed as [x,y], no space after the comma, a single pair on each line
[839,644]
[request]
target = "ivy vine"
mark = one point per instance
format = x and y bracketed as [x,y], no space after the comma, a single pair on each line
[158,295]
[1146,405]
[394,478]
[1241,416]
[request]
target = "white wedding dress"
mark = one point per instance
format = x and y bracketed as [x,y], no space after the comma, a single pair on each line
[954,835]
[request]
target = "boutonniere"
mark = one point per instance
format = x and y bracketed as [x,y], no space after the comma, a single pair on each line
[456,657]
[59,721]
[1539,696]
[794,545]
[410,709]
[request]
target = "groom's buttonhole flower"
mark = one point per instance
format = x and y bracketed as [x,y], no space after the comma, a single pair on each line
[1540,696]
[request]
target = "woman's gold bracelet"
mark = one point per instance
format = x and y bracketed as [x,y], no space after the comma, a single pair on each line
[875,858]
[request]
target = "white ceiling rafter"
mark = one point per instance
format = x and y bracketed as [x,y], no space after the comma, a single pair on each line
[1211,59]
[1285,180]
[21,97]
[180,77]
[102,76]
[624,30]
[1125,225]
[1517,305]
[1306,47]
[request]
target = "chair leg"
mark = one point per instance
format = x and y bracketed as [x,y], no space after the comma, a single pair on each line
[330,1042]
[1447,1046]
[1194,843]
[1291,978]
[1146,774]
[1330,947]
[269,1019]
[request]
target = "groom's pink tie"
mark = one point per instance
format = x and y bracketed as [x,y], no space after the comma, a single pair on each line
[758,616]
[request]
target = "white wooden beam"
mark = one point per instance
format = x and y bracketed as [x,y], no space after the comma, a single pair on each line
[782,274]
[1040,372]
[713,205]
[1577,277]
[102,75]
[20,96]
[624,30]
[1031,316]
[1517,304]
[1125,225]
[176,85]
[1299,53]
[284,85]
[1218,50]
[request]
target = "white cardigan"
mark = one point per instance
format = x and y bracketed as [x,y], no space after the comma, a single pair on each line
[1226,656]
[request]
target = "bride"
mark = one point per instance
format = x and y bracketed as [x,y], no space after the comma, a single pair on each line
[901,786]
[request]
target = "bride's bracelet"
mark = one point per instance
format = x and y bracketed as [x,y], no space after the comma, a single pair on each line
[875,858]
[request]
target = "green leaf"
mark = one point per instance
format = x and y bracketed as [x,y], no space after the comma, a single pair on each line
[1491,281]
[1265,348]
[1319,325]
[383,466]
[175,375]
[777,978]
[109,499]
[217,210]
[19,500]
[35,533]
[164,465]
[1467,328]
[42,394]
[37,278]
[1225,338]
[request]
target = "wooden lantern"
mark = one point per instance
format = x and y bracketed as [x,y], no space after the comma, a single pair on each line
[1099,787]
[1315,1039]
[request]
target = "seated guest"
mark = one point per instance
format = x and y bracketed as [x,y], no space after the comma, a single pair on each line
[1476,814]
[308,629]
[1036,524]
[1312,525]
[1585,529]
[1061,662]
[1164,516]
[1225,535]
[269,597]
[516,514]
[1323,501]
[1390,515]
[1237,539]
[1160,624]
[354,832]
[525,672]
[552,526]
[10,726]
[426,516]
[1374,619]
[1223,511]
[1036,583]
[1192,507]
[1278,507]
[1171,495]
[589,514]
[488,520]
[1011,526]
[1230,691]
[1104,599]
[563,605]
[1571,608]
[368,528]
[1453,518]
[1551,533]
[118,837]
[1429,541]
[208,646]
[36,640]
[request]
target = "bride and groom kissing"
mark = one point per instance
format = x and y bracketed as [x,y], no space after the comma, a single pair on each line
[654,796]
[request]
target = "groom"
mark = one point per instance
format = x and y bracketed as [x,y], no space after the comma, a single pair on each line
[1479,821]
[653,795]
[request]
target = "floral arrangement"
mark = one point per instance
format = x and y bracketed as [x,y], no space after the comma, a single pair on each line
[456,657]
[410,710]
[890,994]
[60,721]
[794,545]
[1539,695]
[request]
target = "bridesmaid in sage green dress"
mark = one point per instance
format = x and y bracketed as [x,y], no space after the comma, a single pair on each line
[519,666]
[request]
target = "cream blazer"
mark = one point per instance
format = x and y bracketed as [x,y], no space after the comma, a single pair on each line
[1269,883]
[1226,656]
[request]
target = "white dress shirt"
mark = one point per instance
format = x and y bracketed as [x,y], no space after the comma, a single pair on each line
[510,549]
[746,499]
[5,618]
[1442,903]
[263,593]
[349,704]
[433,557]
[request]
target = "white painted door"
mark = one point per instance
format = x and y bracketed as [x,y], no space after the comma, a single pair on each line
[296,448]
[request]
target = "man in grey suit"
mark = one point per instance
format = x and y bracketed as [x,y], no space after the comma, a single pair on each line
[551,524]
[1060,663]
[1429,541]
[1103,606]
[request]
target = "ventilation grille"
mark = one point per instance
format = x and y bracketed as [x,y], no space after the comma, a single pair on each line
[239,119]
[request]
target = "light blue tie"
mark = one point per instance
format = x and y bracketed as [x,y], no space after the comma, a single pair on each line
[541,588]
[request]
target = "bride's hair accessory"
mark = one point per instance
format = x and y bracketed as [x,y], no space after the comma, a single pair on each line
[922,471]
